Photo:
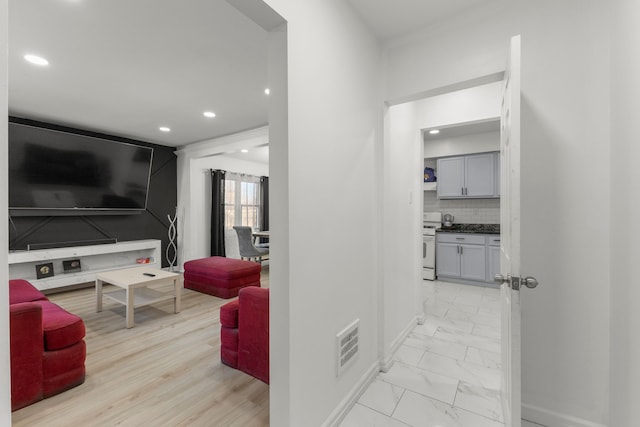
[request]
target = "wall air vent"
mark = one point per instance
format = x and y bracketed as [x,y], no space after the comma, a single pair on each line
[347,346]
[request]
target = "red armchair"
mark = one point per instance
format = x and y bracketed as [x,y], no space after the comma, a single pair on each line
[244,332]
[47,346]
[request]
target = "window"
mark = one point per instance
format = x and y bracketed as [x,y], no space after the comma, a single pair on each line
[241,200]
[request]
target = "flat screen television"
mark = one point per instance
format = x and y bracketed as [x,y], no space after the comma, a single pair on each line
[60,173]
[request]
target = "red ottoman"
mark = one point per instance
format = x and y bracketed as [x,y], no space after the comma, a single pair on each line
[219,276]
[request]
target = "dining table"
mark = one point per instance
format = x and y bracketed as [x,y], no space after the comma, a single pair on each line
[260,234]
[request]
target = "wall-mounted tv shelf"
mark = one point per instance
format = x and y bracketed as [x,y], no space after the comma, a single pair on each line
[93,259]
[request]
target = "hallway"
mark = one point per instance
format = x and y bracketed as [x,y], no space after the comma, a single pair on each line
[447,371]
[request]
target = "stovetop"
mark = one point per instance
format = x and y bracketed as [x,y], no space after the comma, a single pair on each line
[471,228]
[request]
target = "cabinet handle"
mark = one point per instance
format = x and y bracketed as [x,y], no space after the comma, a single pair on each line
[462,191]
[460,250]
[460,238]
[424,250]
[457,249]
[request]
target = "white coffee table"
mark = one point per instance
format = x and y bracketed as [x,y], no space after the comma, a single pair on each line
[135,290]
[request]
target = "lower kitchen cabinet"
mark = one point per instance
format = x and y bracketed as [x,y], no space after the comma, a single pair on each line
[448,259]
[462,256]
[467,257]
[493,251]
[473,261]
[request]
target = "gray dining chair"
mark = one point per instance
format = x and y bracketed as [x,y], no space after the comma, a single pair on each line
[245,244]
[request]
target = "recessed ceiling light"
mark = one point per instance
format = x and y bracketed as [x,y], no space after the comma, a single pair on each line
[209,114]
[267,91]
[37,60]
[434,131]
[244,150]
[164,129]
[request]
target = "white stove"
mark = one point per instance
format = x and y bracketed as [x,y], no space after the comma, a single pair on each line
[431,221]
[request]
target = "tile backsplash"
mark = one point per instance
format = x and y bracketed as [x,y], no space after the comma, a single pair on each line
[467,211]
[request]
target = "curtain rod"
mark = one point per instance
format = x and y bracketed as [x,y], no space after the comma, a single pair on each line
[237,173]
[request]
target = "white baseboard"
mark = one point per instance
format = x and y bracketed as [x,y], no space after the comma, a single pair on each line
[352,397]
[387,361]
[549,418]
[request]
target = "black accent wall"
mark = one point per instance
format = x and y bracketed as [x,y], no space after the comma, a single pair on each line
[149,224]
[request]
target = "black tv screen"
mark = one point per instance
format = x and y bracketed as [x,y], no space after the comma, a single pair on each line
[58,171]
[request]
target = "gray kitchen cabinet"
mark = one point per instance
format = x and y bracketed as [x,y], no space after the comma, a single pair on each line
[496,180]
[480,175]
[493,260]
[470,176]
[450,177]
[473,261]
[461,256]
[448,259]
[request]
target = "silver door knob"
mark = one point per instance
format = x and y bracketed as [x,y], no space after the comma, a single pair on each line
[515,282]
[500,279]
[530,282]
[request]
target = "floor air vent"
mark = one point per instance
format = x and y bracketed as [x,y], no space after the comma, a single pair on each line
[347,346]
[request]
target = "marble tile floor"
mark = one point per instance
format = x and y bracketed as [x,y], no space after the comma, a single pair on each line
[447,371]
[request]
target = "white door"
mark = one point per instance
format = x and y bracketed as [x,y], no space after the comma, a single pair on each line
[510,239]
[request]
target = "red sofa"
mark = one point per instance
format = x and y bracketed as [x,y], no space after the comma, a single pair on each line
[244,332]
[47,346]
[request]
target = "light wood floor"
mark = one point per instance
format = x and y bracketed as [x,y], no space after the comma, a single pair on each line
[166,371]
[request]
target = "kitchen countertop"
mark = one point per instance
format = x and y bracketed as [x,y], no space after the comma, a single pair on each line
[471,228]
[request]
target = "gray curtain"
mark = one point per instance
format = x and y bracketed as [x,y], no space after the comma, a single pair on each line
[264,204]
[217,212]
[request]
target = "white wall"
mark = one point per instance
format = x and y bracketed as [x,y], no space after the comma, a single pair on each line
[401,247]
[464,48]
[332,96]
[625,211]
[465,144]
[475,104]
[279,260]
[565,233]
[5,379]
[194,209]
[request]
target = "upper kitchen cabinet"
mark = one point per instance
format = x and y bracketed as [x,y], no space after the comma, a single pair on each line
[469,176]
[479,175]
[451,177]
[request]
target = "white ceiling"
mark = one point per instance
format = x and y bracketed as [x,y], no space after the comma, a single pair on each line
[463,129]
[126,67]
[390,19]
[258,154]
